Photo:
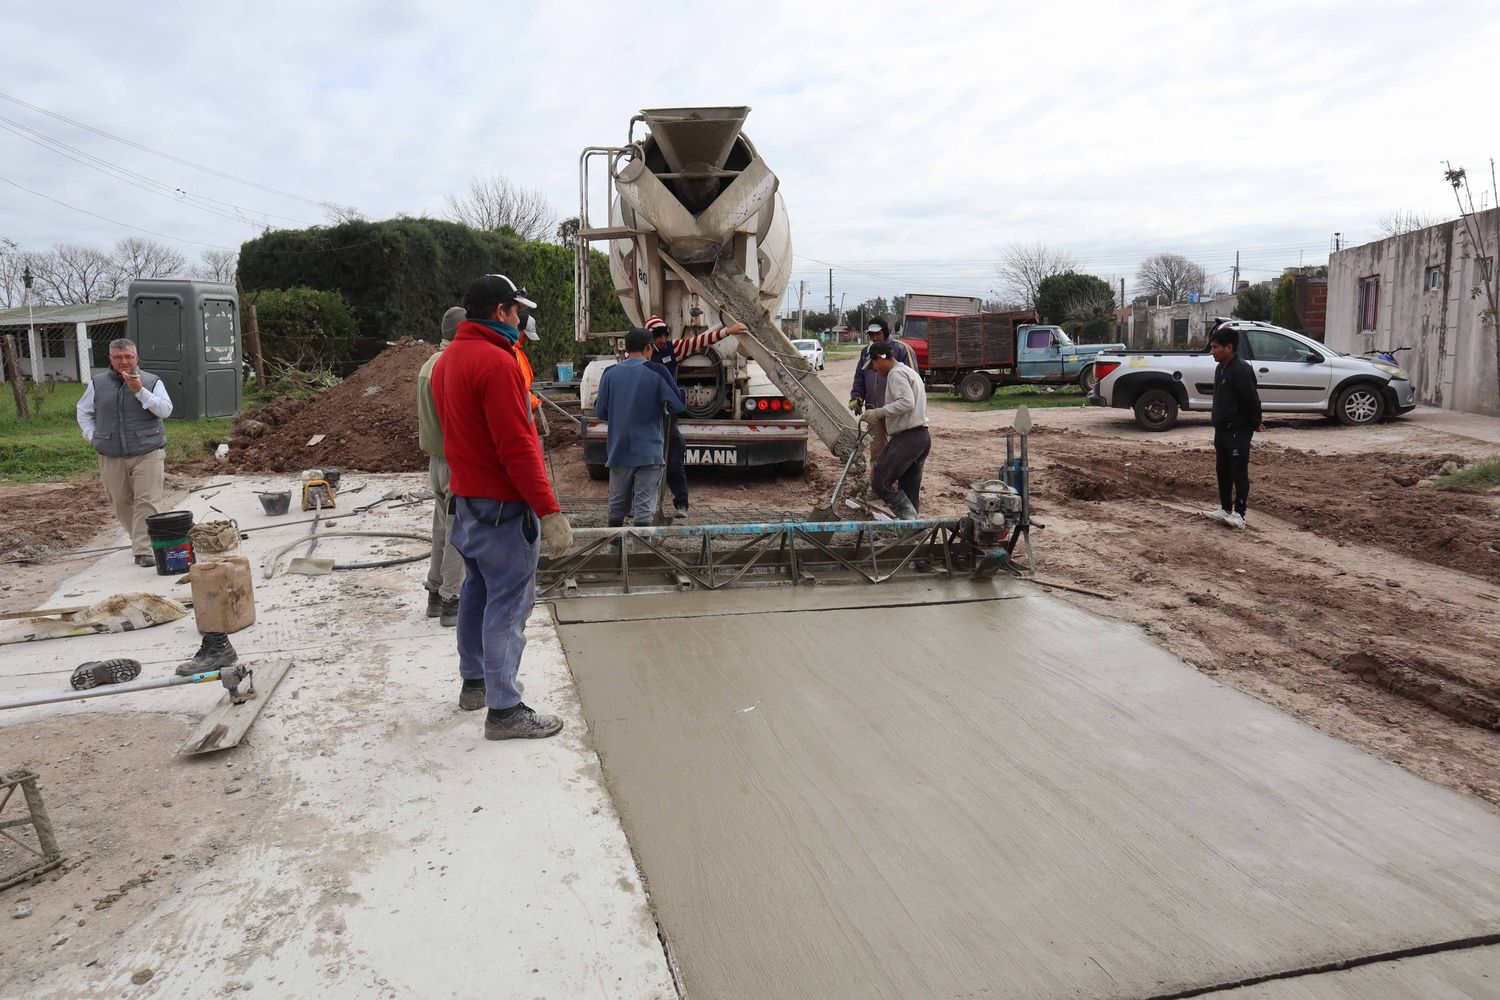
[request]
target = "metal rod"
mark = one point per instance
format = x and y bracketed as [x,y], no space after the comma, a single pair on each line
[129,687]
[769,528]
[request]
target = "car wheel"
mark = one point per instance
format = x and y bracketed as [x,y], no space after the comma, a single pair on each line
[598,471]
[1086,380]
[1156,410]
[1359,404]
[975,387]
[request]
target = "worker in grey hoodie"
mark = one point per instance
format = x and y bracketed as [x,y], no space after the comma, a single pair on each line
[897,477]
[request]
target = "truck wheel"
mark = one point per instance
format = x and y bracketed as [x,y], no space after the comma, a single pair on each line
[792,468]
[975,387]
[1358,405]
[1156,410]
[1086,380]
[598,471]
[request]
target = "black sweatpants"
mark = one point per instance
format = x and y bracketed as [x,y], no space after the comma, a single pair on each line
[1232,463]
[900,464]
[677,466]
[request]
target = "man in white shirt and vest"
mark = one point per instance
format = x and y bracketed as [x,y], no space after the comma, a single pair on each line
[121,415]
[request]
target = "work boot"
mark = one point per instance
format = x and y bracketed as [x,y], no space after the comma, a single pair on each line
[434,604]
[680,511]
[96,672]
[901,506]
[448,617]
[146,561]
[471,695]
[214,654]
[520,723]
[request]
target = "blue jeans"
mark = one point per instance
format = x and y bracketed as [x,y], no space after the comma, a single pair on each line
[498,594]
[632,490]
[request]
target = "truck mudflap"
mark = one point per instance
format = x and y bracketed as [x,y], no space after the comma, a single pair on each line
[722,443]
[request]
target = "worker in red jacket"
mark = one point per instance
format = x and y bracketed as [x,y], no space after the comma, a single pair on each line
[502,503]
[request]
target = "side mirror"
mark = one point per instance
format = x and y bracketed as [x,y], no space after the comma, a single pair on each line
[1313,358]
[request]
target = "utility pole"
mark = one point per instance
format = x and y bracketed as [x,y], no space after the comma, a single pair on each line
[1122,293]
[12,363]
[1234,286]
[801,291]
[830,294]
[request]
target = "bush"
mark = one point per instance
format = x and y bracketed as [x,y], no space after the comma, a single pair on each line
[1284,303]
[400,275]
[1254,302]
[305,328]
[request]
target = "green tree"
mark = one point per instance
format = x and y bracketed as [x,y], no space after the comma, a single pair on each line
[304,327]
[1284,302]
[399,276]
[1061,296]
[1254,302]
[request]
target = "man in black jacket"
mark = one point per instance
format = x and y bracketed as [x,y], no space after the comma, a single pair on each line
[1236,416]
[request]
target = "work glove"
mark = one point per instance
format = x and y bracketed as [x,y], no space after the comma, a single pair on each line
[557,535]
[856,404]
[871,415]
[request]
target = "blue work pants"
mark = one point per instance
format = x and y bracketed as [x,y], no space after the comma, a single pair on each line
[499,545]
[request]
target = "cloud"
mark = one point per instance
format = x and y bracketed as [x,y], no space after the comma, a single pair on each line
[913,142]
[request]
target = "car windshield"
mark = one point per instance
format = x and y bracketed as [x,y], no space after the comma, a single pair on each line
[805,345]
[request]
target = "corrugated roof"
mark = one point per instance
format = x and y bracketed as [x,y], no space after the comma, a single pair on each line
[112,311]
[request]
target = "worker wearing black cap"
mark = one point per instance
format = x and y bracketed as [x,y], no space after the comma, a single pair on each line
[897,476]
[869,385]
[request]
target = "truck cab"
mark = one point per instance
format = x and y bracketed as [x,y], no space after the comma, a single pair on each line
[1045,353]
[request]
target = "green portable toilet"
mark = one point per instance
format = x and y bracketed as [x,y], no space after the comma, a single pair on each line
[188,333]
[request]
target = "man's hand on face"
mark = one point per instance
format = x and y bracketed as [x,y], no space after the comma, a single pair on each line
[132,380]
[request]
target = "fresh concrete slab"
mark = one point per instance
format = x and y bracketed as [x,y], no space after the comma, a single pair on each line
[364,839]
[1008,798]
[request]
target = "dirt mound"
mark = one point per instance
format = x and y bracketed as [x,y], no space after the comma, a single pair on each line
[368,422]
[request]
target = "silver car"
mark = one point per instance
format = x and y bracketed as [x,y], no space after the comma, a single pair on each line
[1296,374]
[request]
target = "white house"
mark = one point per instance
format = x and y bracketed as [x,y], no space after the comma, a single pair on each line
[63,343]
[1423,290]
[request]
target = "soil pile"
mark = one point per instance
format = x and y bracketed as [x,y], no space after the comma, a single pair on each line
[368,422]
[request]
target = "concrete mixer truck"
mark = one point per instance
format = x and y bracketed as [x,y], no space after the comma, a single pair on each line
[698,235]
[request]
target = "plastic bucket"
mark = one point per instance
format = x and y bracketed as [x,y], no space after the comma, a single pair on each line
[565,371]
[275,503]
[169,541]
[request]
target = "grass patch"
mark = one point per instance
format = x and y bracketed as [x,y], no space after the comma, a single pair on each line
[1479,476]
[835,352]
[1011,396]
[50,447]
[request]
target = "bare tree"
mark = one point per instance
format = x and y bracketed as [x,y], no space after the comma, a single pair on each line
[339,214]
[1024,265]
[69,274]
[135,257]
[218,265]
[12,264]
[1399,221]
[494,202]
[1171,276]
[1484,254]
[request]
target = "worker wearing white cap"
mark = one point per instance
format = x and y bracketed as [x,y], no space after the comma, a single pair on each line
[869,384]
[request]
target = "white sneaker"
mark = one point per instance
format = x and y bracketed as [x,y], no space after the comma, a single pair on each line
[1222,516]
[1235,520]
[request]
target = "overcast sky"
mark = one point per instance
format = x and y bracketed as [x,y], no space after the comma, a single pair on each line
[913,141]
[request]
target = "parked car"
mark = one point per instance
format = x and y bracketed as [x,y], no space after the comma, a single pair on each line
[812,350]
[1296,374]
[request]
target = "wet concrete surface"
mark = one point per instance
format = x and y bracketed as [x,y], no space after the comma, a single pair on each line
[1003,798]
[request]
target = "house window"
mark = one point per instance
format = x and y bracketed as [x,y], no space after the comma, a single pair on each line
[1434,279]
[1369,302]
[1180,332]
[54,343]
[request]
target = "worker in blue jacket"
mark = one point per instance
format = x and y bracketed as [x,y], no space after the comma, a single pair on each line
[869,384]
[632,398]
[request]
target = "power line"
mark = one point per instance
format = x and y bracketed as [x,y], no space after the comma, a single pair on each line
[113,222]
[156,152]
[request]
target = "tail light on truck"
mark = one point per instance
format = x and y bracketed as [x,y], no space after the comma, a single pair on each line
[768,405]
[1104,368]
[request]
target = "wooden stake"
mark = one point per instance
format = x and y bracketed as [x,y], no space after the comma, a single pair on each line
[13,372]
[252,334]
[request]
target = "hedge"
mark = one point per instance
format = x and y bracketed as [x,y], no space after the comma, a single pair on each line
[305,327]
[400,275]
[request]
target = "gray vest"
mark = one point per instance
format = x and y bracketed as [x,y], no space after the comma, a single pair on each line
[123,428]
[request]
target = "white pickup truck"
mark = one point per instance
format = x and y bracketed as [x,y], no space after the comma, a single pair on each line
[1296,375]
